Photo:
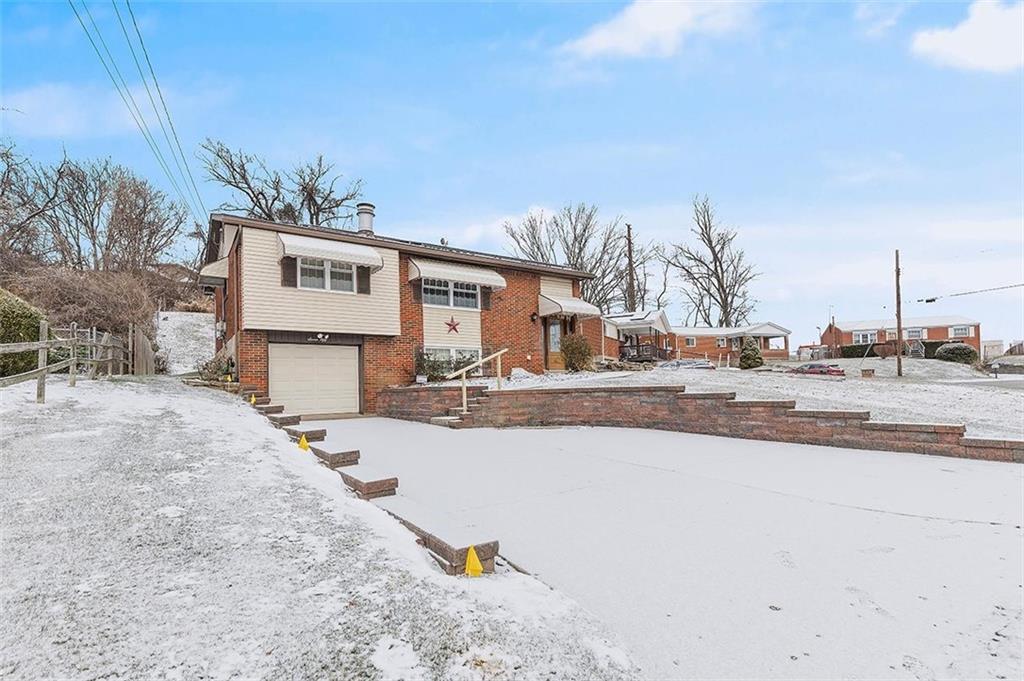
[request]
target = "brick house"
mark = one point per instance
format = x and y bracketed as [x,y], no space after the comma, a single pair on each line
[862,332]
[323,319]
[723,344]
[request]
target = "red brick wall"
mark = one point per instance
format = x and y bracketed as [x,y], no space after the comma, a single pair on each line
[593,329]
[421,403]
[252,358]
[507,324]
[933,332]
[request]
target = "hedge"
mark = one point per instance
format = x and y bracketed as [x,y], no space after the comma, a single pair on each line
[19,323]
[857,351]
[957,352]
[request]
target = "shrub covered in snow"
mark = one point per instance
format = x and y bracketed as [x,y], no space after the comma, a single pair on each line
[19,322]
[750,354]
[576,352]
[957,352]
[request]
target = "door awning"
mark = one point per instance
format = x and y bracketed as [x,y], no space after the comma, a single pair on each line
[552,305]
[451,271]
[296,246]
[214,273]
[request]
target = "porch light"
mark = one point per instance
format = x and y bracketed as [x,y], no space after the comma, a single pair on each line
[533,317]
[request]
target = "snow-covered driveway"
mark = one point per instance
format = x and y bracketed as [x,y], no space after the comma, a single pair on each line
[721,558]
[156,531]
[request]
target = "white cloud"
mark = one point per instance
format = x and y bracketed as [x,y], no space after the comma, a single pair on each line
[991,38]
[657,29]
[876,18]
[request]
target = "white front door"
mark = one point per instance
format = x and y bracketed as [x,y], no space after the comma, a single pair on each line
[314,379]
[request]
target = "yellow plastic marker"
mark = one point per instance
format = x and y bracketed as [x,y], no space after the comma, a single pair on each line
[252,399]
[303,445]
[473,566]
[227,378]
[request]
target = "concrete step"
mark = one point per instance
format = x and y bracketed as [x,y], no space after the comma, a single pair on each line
[282,420]
[456,411]
[261,401]
[445,420]
[270,408]
[367,482]
[312,434]
[336,459]
[445,536]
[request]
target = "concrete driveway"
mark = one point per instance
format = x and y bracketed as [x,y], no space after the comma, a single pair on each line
[721,558]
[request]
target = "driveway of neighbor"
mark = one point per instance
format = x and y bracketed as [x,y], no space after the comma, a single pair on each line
[723,558]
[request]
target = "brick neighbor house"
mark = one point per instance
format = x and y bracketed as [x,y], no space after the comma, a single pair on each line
[943,328]
[323,319]
[723,344]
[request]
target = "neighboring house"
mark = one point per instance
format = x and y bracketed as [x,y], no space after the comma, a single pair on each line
[602,336]
[863,332]
[644,336]
[323,319]
[724,343]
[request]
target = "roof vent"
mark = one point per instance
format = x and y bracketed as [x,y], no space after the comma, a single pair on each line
[364,211]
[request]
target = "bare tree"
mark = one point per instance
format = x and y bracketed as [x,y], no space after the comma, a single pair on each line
[650,276]
[308,194]
[575,236]
[715,273]
[144,225]
[27,194]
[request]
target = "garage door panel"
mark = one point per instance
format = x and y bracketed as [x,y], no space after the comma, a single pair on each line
[314,379]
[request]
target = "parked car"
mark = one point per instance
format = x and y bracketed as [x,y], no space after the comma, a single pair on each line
[819,368]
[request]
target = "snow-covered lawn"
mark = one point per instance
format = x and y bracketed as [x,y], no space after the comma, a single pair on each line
[931,391]
[721,558]
[185,339]
[152,530]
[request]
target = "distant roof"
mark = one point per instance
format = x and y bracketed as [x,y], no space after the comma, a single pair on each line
[419,247]
[760,329]
[908,322]
[640,319]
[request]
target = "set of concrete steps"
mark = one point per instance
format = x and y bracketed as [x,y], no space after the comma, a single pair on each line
[456,418]
[369,483]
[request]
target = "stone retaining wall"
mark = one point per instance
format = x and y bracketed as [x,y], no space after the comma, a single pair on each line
[671,408]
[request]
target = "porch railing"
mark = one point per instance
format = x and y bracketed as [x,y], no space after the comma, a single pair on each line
[643,352]
[480,362]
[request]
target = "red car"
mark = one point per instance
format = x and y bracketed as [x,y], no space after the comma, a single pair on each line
[819,368]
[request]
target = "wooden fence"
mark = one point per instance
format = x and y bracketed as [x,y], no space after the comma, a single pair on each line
[109,355]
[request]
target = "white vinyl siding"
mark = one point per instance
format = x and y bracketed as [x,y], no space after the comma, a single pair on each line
[437,335]
[266,304]
[314,379]
[559,288]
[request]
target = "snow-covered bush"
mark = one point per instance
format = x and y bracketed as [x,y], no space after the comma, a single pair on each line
[576,352]
[19,322]
[957,352]
[750,354]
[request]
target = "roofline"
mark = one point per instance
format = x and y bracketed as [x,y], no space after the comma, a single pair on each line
[913,323]
[402,245]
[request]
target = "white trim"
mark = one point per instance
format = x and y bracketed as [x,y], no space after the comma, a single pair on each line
[450,285]
[328,266]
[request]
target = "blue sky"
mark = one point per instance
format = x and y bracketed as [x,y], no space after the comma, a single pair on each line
[828,134]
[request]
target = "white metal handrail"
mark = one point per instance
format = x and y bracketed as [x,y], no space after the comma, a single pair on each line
[462,372]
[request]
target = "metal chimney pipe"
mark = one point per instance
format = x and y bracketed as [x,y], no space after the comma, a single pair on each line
[364,211]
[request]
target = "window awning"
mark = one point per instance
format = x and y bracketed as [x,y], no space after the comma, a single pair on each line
[450,271]
[552,305]
[310,247]
[214,273]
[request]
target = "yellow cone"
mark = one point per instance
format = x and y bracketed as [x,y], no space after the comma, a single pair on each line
[252,399]
[303,445]
[473,566]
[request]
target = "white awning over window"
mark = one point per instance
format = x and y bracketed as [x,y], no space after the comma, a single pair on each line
[450,271]
[218,269]
[310,247]
[552,305]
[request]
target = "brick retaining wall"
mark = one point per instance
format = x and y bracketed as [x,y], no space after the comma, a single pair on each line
[671,408]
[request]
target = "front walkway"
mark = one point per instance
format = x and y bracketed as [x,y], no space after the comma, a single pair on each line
[723,558]
[152,530]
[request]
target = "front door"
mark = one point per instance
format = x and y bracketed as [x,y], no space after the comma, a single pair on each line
[554,329]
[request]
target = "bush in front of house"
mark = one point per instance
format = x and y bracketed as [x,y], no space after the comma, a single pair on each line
[750,354]
[961,353]
[576,352]
[19,323]
[436,369]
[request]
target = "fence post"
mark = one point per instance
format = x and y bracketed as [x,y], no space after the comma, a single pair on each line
[41,381]
[73,369]
[131,348]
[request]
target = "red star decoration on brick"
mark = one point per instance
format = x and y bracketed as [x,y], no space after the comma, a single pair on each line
[453,326]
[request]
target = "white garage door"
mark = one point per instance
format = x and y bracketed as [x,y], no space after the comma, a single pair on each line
[314,379]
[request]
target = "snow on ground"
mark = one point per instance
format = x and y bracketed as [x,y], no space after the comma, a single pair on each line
[718,558]
[153,530]
[926,394]
[185,339]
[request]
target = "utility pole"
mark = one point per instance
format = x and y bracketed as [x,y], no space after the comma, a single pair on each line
[630,272]
[899,320]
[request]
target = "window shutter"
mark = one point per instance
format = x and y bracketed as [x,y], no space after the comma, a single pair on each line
[362,279]
[924,334]
[970,331]
[417,290]
[485,297]
[288,272]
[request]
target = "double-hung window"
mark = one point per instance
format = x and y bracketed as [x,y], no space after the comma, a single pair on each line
[691,342]
[961,331]
[722,342]
[864,337]
[451,293]
[914,334]
[326,275]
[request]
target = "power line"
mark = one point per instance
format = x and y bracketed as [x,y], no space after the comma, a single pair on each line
[126,95]
[156,112]
[163,102]
[968,293]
